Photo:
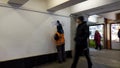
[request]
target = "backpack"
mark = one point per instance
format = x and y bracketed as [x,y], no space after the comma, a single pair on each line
[56,37]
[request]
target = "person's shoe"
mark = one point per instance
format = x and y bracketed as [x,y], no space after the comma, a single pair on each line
[73,67]
[90,66]
[60,62]
[64,60]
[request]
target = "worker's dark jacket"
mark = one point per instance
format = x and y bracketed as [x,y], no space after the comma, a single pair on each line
[82,34]
[119,34]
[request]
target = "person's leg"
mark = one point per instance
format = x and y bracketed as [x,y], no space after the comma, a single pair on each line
[100,46]
[87,55]
[96,45]
[119,39]
[59,54]
[63,53]
[76,58]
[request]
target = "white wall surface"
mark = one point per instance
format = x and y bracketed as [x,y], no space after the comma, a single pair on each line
[110,15]
[27,33]
[4,1]
[93,18]
[101,20]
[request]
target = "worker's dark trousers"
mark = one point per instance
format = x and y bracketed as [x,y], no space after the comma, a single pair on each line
[78,53]
[98,45]
[61,53]
[119,40]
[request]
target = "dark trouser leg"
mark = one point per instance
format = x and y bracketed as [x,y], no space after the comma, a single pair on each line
[59,53]
[119,39]
[87,55]
[100,46]
[76,58]
[96,45]
[63,52]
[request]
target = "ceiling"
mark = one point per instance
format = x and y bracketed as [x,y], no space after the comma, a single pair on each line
[102,9]
[18,1]
[63,5]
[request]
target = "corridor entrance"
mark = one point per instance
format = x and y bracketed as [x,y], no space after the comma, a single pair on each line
[92,30]
[108,29]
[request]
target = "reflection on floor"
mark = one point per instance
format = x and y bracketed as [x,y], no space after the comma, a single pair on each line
[101,59]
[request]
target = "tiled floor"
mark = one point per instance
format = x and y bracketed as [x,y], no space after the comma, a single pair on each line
[100,59]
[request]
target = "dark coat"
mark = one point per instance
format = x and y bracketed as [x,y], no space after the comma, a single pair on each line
[82,34]
[97,38]
[119,34]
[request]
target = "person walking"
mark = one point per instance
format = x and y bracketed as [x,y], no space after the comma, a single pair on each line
[60,42]
[119,34]
[97,39]
[81,42]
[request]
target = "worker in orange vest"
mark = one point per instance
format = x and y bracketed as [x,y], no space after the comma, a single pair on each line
[60,42]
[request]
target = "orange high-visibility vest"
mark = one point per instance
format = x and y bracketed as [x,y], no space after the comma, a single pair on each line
[61,39]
